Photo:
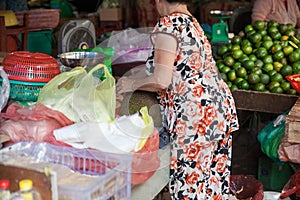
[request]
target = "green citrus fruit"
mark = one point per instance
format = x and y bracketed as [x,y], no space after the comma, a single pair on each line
[286,86]
[252,57]
[277,90]
[236,39]
[256,70]
[278,56]
[268,67]
[248,64]
[241,72]
[287,50]
[223,76]
[277,77]
[275,48]
[247,49]
[255,37]
[248,28]
[273,84]
[236,54]
[264,79]
[267,59]
[234,87]
[253,78]
[294,57]
[259,63]
[259,25]
[259,87]
[231,75]
[267,44]
[244,85]
[222,50]
[229,61]
[261,52]
[237,65]
[286,70]
[267,38]
[225,69]
[277,66]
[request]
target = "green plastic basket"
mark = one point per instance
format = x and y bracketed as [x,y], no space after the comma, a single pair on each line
[24,91]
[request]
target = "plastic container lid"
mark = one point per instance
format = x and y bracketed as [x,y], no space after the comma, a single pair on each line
[4,184]
[25,184]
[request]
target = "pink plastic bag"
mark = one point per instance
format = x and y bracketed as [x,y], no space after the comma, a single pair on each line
[35,123]
[146,161]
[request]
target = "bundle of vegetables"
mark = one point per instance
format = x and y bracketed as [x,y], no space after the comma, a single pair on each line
[260,57]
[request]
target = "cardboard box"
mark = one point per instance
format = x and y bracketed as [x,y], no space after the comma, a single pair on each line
[110,14]
[292,126]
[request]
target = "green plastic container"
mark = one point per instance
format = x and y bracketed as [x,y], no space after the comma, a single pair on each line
[40,41]
[273,175]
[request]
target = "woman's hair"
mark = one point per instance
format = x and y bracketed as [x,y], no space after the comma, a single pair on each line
[180,1]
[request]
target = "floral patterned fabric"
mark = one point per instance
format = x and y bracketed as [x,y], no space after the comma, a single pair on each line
[199,112]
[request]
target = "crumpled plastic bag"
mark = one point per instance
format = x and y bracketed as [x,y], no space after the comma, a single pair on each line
[80,95]
[23,123]
[270,137]
[244,187]
[4,88]
[292,186]
[289,152]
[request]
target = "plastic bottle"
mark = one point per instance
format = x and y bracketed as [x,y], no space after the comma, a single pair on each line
[4,189]
[26,192]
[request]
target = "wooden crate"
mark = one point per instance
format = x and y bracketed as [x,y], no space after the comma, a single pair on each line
[292,125]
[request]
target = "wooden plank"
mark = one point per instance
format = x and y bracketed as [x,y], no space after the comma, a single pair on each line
[14,174]
[263,101]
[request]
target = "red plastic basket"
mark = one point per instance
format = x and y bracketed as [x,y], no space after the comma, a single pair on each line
[30,67]
[295,81]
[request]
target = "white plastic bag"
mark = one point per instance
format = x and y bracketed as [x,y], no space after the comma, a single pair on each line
[126,134]
[4,89]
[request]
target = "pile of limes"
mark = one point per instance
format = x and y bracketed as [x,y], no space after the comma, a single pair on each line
[260,57]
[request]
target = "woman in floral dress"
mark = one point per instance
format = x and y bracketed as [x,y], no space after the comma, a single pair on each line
[197,106]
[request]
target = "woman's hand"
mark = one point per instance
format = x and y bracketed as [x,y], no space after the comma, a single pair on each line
[124,85]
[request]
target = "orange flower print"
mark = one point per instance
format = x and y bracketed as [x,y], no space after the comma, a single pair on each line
[193,108]
[193,151]
[192,178]
[181,88]
[198,91]
[181,126]
[200,188]
[217,197]
[200,127]
[166,21]
[221,164]
[210,114]
[173,164]
[221,126]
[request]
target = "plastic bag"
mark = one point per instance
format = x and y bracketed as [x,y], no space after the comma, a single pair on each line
[4,89]
[130,45]
[32,123]
[270,137]
[81,96]
[244,187]
[289,152]
[142,143]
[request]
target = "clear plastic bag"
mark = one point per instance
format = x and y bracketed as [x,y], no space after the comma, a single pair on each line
[81,96]
[4,88]
[130,45]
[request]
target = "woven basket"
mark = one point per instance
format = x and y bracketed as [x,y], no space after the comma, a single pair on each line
[24,91]
[40,19]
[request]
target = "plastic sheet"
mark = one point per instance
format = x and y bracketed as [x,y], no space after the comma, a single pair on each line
[35,123]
